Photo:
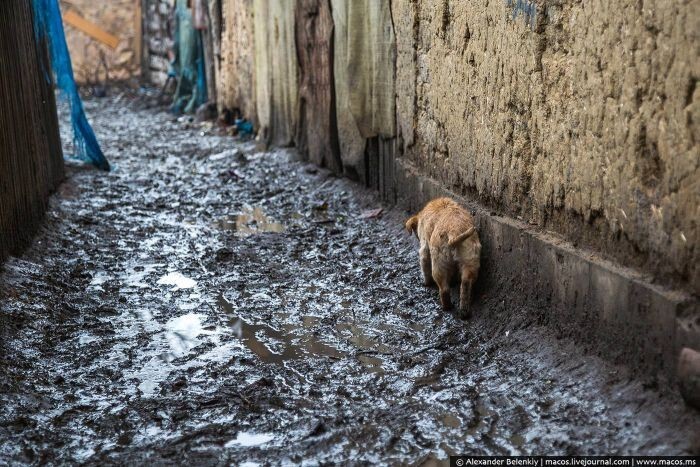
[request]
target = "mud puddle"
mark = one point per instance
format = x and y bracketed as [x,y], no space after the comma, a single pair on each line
[278,346]
[207,303]
[252,220]
[250,439]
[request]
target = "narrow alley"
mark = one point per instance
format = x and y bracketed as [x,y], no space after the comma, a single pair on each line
[209,303]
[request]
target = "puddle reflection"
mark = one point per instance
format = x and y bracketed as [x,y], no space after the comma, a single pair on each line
[250,439]
[273,345]
[178,280]
[182,333]
[136,275]
[250,221]
[366,343]
[296,341]
[485,417]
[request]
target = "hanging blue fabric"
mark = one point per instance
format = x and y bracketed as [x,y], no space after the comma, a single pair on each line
[49,28]
[188,66]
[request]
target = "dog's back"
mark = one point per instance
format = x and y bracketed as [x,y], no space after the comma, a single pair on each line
[449,245]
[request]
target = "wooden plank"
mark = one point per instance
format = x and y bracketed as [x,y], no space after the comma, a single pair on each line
[138,29]
[31,161]
[91,29]
[316,136]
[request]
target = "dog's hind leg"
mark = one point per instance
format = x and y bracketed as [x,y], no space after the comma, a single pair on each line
[465,298]
[442,278]
[465,293]
[426,265]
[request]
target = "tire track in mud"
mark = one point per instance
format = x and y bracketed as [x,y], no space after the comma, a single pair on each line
[206,302]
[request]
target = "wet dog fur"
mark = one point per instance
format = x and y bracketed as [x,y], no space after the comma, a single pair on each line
[449,247]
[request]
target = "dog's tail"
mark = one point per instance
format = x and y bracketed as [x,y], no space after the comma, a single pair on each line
[461,237]
[412,225]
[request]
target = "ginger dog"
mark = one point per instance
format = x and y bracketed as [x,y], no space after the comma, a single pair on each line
[449,244]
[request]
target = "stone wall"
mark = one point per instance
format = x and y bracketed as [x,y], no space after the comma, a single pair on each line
[95,62]
[157,40]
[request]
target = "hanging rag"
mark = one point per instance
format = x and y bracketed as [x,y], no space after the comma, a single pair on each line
[188,66]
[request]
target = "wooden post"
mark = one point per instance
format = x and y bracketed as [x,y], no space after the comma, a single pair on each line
[689,376]
[138,34]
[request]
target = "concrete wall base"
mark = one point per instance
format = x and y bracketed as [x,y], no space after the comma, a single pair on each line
[612,311]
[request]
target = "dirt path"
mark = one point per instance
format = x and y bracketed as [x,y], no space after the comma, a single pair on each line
[208,303]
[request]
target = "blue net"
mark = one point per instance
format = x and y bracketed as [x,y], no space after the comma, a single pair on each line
[49,28]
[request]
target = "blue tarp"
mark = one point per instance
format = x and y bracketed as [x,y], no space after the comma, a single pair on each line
[49,29]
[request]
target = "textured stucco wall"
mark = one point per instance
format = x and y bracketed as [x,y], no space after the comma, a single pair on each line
[94,62]
[580,117]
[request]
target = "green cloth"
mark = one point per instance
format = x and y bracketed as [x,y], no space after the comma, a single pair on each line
[370,67]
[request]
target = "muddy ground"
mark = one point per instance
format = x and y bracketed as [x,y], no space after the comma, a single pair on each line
[208,303]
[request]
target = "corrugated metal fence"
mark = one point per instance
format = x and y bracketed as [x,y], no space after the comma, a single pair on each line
[31,161]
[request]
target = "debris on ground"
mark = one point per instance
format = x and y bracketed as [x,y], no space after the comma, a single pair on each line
[372,213]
